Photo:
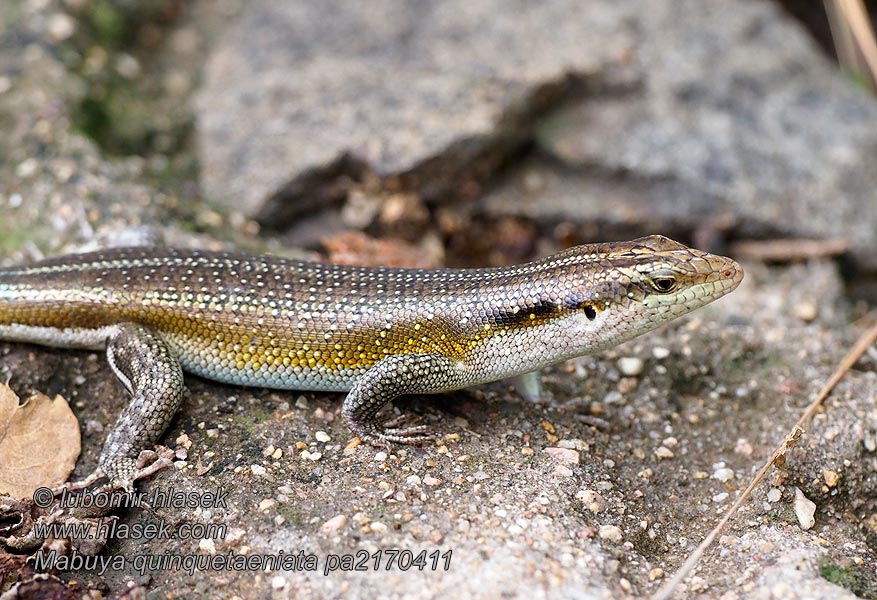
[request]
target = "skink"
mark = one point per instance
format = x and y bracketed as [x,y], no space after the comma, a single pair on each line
[376,333]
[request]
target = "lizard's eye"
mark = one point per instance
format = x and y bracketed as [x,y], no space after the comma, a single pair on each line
[664,283]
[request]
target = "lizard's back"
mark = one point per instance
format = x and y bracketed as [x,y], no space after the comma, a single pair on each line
[254,319]
[274,322]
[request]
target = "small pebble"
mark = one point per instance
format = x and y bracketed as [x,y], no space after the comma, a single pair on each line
[334,524]
[719,498]
[380,456]
[61,27]
[806,311]
[664,452]
[563,471]
[322,436]
[611,533]
[613,397]
[630,366]
[278,582]
[127,66]
[724,474]
[26,168]
[660,352]
[592,500]
[743,447]
[563,454]
[831,477]
[774,495]
[805,510]
[626,385]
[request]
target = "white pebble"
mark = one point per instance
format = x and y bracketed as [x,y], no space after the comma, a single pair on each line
[613,397]
[611,533]
[630,366]
[724,474]
[278,582]
[804,510]
[663,452]
[60,27]
[334,524]
[660,352]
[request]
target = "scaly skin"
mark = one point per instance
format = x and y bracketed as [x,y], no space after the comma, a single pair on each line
[376,333]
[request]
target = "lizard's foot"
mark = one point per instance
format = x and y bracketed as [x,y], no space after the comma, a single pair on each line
[393,432]
[122,472]
[389,378]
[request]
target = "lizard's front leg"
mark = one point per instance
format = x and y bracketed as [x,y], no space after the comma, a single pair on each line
[392,377]
[144,363]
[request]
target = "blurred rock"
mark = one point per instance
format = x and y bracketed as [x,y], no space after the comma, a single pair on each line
[739,121]
[436,93]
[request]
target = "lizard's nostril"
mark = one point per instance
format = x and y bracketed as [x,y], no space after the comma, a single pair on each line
[728,272]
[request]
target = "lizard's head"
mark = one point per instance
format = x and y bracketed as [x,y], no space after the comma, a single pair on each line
[625,289]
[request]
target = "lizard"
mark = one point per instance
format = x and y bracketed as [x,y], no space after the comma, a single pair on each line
[374,332]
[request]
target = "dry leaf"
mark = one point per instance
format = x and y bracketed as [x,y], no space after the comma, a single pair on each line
[39,443]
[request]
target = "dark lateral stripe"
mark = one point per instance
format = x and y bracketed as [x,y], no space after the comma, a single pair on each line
[522,318]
